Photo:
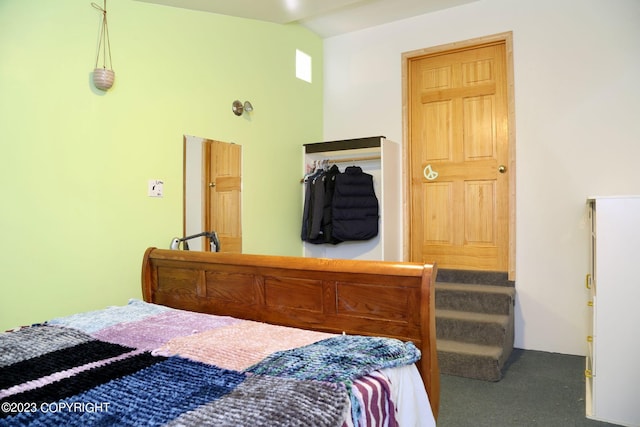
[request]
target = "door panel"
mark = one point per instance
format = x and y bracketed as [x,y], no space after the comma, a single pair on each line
[479,127]
[222,189]
[458,139]
[439,214]
[479,210]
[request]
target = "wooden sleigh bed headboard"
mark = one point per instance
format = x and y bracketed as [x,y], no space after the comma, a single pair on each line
[379,298]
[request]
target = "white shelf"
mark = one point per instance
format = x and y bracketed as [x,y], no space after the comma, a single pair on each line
[382,159]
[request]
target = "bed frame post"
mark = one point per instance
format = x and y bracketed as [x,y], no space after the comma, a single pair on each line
[429,360]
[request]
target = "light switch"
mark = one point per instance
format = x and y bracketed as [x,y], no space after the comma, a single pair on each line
[156,188]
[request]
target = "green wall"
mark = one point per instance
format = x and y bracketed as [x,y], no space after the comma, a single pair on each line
[75,217]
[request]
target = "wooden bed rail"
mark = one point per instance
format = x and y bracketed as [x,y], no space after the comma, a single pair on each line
[392,299]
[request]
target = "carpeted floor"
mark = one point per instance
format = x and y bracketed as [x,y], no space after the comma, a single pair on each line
[538,389]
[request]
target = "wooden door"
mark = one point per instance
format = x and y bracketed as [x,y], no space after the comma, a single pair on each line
[459,158]
[222,180]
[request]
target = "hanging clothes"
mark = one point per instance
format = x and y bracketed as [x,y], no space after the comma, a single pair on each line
[327,215]
[339,206]
[313,207]
[317,207]
[355,208]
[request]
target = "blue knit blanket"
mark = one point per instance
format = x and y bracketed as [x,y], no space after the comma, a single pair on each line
[340,359]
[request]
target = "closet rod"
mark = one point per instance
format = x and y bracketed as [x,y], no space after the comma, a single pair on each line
[351,160]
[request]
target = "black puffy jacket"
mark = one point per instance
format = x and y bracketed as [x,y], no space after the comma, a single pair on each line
[354,208]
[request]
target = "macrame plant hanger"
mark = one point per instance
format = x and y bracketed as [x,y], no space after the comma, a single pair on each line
[103,77]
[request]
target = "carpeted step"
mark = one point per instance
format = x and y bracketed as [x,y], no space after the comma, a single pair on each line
[477,298]
[474,323]
[496,278]
[471,327]
[476,361]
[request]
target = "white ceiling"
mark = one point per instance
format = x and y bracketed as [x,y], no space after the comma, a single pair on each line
[325,17]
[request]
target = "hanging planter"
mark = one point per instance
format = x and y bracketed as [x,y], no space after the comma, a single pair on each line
[103,77]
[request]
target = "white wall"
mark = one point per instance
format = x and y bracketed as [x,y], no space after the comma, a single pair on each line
[577,86]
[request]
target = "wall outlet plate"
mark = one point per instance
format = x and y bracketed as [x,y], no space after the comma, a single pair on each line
[156,188]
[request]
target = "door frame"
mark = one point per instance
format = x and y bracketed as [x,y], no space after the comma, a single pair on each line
[407,58]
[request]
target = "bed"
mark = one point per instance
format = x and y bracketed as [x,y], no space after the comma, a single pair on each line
[229,339]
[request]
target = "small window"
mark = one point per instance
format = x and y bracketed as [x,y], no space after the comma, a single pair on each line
[303,66]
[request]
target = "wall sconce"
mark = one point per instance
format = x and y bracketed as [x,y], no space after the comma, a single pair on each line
[238,107]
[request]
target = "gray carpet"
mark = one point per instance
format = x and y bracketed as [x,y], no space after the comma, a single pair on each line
[538,389]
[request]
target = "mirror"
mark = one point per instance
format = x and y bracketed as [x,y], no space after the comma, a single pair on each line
[212,193]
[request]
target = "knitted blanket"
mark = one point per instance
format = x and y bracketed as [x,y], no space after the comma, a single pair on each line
[340,359]
[149,368]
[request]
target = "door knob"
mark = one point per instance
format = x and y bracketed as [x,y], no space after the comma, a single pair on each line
[502,168]
[212,184]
